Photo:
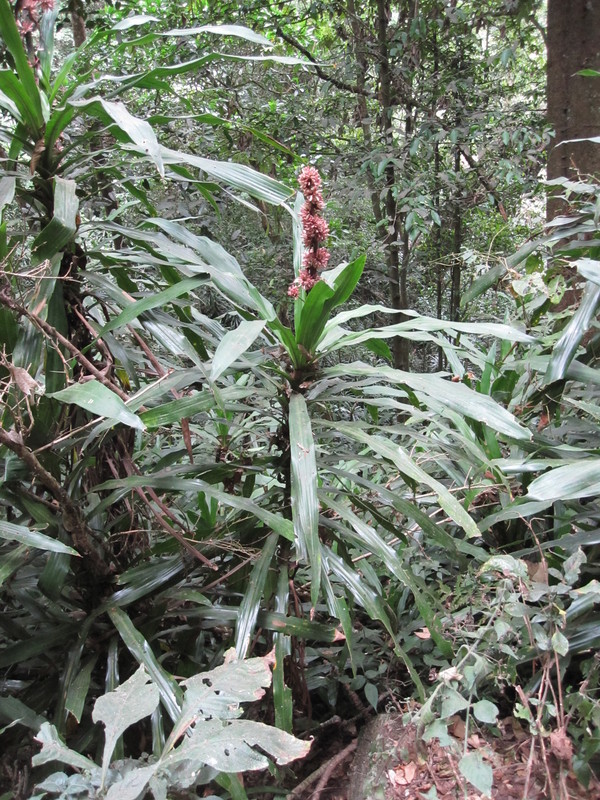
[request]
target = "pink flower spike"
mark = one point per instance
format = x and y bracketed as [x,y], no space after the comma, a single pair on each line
[317,259]
[309,180]
[316,230]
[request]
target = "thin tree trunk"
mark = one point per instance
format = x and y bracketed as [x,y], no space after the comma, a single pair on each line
[456,245]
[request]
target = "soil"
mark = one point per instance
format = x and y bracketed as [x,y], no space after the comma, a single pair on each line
[387,763]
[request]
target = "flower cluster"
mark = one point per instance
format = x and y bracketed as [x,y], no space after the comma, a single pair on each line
[28,14]
[315,232]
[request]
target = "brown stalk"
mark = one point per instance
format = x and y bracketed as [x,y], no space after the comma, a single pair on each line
[72,519]
[55,336]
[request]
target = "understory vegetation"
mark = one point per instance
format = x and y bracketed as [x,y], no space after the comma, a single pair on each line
[263,450]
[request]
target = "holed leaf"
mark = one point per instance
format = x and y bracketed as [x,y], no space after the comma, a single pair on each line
[132,701]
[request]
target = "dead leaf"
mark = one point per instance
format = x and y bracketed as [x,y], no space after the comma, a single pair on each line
[457,727]
[538,571]
[410,770]
[423,634]
[450,674]
[24,381]
[561,745]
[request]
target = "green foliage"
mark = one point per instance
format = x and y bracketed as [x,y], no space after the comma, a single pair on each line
[178,480]
[207,737]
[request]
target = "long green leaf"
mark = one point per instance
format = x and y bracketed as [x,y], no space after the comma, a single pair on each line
[282,694]
[567,345]
[581,479]
[276,522]
[406,465]
[196,403]
[137,130]
[12,39]
[18,533]
[368,538]
[133,309]
[305,502]
[441,394]
[334,289]
[7,192]
[236,175]
[250,605]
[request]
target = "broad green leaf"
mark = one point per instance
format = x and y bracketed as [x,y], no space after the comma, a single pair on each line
[372,695]
[137,130]
[250,604]
[61,229]
[170,693]
[334,288]
[580,479]
[6,103]
[234,344]
[132,784]
[305,502]
[54,749]
[485,711]
[7,192]
[230,747]
[98,399]
[18,533]
[452,702]
[589,269]
[560,643]
[219,693]
[26,77]
[132,701]
[477,772]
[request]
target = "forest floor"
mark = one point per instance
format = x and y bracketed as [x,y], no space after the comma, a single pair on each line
[385,763]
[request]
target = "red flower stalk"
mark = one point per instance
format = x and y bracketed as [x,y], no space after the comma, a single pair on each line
[315,232]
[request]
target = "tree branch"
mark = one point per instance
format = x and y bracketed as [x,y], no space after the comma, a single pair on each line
[346,87]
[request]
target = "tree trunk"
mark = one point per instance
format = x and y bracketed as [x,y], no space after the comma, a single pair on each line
[573,100]
[77,12]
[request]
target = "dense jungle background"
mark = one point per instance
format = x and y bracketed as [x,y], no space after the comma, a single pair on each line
[299,399]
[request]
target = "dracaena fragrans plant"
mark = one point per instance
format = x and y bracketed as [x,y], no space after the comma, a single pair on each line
[171,479]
